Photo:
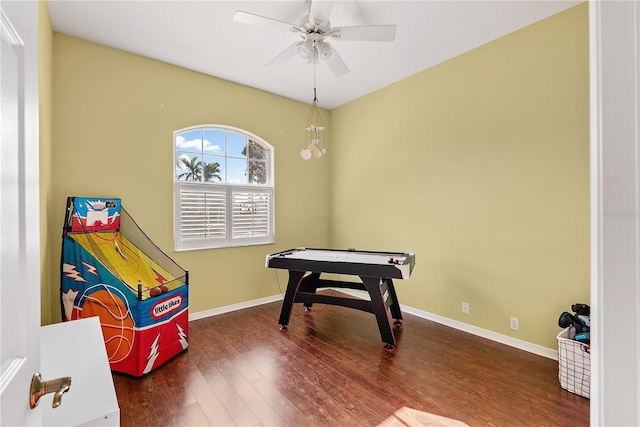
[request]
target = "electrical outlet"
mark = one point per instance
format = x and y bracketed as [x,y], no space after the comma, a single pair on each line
[465,307]
[514,323]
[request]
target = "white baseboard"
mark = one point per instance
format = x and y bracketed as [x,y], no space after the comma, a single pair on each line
[474,330]
[484,333]
[233,307]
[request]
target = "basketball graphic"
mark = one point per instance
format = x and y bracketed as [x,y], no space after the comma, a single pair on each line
[115,318]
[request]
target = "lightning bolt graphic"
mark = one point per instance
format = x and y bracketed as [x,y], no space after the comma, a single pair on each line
[153,355]
[182,337]
[159,277]
[112,219]
[78,217]
[90,268]
[71,272]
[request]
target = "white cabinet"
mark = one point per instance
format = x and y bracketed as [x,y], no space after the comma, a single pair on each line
[76,349]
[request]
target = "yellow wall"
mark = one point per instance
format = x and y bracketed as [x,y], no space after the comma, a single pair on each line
[50,282]
[479,165]
[114,117]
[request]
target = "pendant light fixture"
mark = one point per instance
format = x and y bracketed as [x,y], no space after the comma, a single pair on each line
[314,130]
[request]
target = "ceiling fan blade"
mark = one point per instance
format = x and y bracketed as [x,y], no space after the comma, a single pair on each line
[320,11]
[261,21]
[336,64]
[284,57]
[376,33]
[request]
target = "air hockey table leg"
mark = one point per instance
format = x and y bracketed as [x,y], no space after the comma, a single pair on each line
[295,277]
[372,285]
[309,284]
[394,306]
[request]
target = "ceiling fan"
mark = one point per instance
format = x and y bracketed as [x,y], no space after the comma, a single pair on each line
[314,30]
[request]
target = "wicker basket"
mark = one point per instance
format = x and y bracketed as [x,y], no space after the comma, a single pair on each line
[574,364]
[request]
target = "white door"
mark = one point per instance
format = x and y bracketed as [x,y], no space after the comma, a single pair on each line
[615,212]
[19,212]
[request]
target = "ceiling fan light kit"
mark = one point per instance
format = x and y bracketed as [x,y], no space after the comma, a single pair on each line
[305,49]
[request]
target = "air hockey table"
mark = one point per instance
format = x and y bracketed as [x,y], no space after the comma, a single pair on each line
[376,271]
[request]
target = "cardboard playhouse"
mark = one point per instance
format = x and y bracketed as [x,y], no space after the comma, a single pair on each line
[112,270]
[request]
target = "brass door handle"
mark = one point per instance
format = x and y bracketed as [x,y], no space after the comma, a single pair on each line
[39,388]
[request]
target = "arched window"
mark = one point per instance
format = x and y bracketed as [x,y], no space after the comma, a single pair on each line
[223,188]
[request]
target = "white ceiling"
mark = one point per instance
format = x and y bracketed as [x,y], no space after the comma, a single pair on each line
[202,36]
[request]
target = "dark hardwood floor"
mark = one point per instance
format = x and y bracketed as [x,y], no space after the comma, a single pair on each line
[330,369]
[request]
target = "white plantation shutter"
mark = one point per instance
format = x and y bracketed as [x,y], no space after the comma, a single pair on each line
[251,213]
[212,216]
[203,212]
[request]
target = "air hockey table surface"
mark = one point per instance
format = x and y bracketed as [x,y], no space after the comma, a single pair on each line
[392,265]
